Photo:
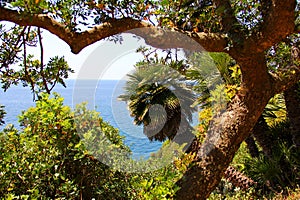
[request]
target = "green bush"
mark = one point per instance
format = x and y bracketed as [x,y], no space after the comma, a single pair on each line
[55,156]
[277,173]
[160,184]
[46,159]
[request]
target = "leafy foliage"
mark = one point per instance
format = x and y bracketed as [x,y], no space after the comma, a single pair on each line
[47,160]
[218,80]
[282,169]
[31,72]
[161,184]
[275,111]
[78,14]
[189,15]
[284,54]
[249,13]
[44,78]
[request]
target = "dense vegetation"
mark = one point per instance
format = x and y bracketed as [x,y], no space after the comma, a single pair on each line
[247,146]
[46,158]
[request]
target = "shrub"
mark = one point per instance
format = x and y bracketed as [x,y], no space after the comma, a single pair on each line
[46,159]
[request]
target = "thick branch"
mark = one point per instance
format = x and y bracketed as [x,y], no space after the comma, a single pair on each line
[224,137]
[41,20]
[277,25]
[78,41]
[254,69]
[176,38]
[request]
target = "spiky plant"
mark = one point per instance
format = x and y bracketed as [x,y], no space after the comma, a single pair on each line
[160,98]
[281,169]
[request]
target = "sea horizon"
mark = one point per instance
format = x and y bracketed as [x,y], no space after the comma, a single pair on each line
[111,110]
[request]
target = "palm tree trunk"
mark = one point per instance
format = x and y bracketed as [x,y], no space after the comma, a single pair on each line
[251,145]
[292,102]
[238,179]
[260,133]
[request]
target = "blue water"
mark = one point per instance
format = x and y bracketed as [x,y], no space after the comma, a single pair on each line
[101,96]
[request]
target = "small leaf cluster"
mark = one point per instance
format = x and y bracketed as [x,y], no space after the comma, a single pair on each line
[249,14]
[195,16]
[161,184]
[44,78]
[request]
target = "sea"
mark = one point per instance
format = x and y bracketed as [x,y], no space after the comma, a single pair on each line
[100,95]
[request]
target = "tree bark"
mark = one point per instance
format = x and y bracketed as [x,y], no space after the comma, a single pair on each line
[227,132]
[238,179]
[77,41]
[220,146]
[292,102]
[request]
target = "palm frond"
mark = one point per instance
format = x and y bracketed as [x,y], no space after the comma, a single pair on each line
[154,85]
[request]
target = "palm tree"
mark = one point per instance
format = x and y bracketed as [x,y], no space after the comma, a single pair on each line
[160,99]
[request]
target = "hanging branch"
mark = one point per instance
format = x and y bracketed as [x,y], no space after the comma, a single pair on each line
[27,76]
[42,61]
[56,79]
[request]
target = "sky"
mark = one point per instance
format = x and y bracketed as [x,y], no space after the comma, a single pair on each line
[101,60]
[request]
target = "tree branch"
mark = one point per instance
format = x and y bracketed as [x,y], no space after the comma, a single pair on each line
[77,41]
[277,25]
[176,38]
[39,20]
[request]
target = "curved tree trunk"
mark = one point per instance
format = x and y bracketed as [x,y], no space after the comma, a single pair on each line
[232,175]
[228,131]
[292,102]
[220,146]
